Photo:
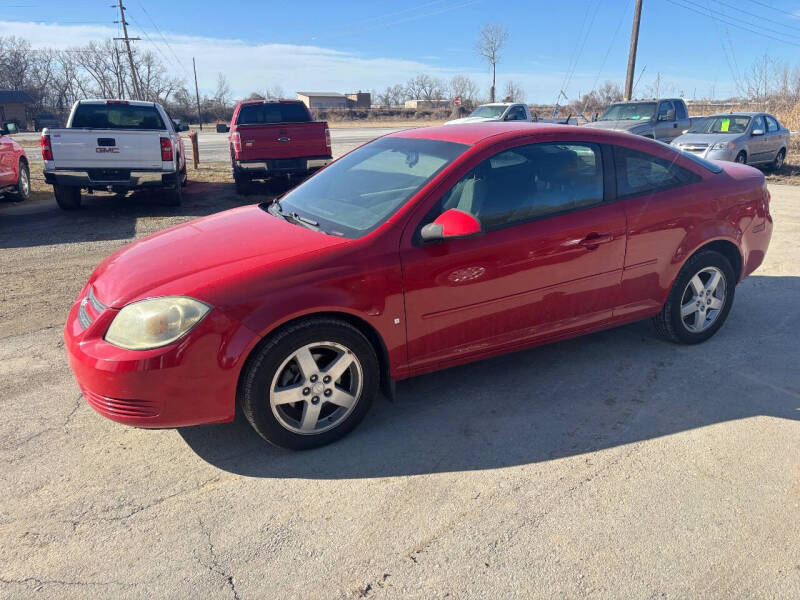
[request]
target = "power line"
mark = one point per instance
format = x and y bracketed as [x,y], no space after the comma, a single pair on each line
[147,14]
[128,45]
[611,44]
[758,16]
[716,16]
[776,9]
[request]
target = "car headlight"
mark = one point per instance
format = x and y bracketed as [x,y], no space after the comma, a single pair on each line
[723,146]
[155,322]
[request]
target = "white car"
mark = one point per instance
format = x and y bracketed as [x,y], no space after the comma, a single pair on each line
[114,145]
[496,111]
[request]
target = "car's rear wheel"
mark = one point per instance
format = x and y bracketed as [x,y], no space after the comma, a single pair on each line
[700,299]
[741,158]
[22,190]
[779,158]
[67,197]
[309,384]
[173,196]
[241,181]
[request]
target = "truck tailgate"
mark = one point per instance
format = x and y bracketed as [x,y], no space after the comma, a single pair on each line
[283,140]
[106,148]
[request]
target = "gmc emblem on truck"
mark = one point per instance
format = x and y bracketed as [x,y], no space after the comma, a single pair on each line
[106,150]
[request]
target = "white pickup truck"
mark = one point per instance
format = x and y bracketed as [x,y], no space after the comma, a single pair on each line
[117,146]
[496,111]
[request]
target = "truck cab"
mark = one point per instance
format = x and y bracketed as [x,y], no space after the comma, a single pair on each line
[661,119]
[496,111]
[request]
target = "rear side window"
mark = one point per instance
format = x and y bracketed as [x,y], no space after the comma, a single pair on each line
[117,116]
[272,112]
[772,124]
[642,173]
[680,111]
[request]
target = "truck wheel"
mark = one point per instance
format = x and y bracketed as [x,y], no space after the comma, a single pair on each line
[172,196]
[242,182]
[22,190]
[183,176]
[67,198]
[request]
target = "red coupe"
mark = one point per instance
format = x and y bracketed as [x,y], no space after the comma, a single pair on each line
[421,250]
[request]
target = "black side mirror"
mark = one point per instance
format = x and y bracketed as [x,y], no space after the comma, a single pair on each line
[9,129]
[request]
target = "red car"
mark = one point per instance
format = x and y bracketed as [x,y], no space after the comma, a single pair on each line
[15,175]
[421,250]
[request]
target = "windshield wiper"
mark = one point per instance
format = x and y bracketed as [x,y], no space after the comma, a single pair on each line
[293,216]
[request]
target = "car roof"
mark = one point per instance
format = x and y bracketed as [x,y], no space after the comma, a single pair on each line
[473,133]
[116,101]
[738,114]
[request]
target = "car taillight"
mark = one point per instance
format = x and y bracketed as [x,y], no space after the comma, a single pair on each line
[47,150]
[327,137]
[236,140]
[166,149]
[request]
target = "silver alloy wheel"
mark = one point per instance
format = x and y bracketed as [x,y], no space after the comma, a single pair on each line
[779,160]
[703,299]
[741,158]
[316,388]
[24,182]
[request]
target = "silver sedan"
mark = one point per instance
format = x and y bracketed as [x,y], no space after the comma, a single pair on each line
[749,138]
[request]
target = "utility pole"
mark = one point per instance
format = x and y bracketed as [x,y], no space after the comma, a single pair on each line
[128,41]
[197,95]
[637,15]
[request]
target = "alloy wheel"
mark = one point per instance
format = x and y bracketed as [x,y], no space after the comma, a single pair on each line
[703,299]
[316,388]
[24,183]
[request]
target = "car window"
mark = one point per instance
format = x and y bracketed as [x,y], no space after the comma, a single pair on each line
[680,111]
[529,182]
[272,112]
[772,124]
[642,173]
[516,114]
[117,115]
[758,123]
[664,108]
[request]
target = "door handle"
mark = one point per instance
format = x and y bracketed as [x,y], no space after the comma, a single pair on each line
[593,240]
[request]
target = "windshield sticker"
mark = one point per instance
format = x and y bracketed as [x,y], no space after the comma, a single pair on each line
[725,125]
[635,117]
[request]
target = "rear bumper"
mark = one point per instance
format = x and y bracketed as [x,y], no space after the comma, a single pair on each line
[117,178]
[282,166]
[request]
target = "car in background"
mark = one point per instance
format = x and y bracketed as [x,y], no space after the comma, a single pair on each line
[421,250]
[276,139]
[117,146]
[749,137]
[15,175]
[43,120]
[496,111]
[660,119]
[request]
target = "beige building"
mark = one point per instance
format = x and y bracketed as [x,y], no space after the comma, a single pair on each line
[12,107]
[322,99]
[417,104]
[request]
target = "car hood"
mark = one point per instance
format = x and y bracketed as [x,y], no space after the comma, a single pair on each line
[626,125]
[200,255]
[706,138]
[471,120]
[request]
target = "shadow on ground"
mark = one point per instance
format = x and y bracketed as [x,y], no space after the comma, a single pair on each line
[579,396]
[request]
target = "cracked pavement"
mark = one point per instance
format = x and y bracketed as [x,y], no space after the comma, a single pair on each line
[610,466]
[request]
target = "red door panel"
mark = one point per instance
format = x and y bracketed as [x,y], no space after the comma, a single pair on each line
[469,297]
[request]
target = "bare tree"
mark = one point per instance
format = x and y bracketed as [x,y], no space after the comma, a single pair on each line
[274,92]
[491,40]
[514,92]
[222,96]
[425,87]
[598,100]
[465,88]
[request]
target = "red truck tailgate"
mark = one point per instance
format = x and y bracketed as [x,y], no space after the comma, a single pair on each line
[283,140]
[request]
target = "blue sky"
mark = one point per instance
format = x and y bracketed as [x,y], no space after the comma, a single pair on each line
[347,45]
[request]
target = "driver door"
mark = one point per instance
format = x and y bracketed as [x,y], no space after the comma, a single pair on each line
[549,260]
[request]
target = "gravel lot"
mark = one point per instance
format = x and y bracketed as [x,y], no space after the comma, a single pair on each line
[610,466]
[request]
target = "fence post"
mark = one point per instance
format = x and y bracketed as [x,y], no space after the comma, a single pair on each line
[195,149]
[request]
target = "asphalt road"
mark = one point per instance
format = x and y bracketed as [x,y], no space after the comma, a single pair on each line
[213,147]
[610,466]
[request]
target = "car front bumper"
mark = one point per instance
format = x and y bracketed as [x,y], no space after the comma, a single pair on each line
[190,382]
[114,178]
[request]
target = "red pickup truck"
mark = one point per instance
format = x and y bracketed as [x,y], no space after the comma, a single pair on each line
[15,177]
[276,139]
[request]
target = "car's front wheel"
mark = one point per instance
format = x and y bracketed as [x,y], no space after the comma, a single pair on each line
[310,383]
[699,301]
[741,158]
[22,190]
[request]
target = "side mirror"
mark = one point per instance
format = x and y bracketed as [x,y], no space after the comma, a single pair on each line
[684,131]
[9,129]
[758,132]
[451,224]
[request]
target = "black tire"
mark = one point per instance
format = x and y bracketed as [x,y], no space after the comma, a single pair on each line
[67,197]
[242,182]
[669,324]
[741,158]
[778,162]
[172,196]
[182,175]
[263,365]
[22,191]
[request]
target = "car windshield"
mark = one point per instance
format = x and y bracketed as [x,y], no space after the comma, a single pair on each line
[117,115]
[488,112]
[272,112]
[726,124]
[633,111]
[358,192]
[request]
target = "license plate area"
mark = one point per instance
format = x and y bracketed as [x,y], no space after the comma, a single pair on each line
[109,174]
